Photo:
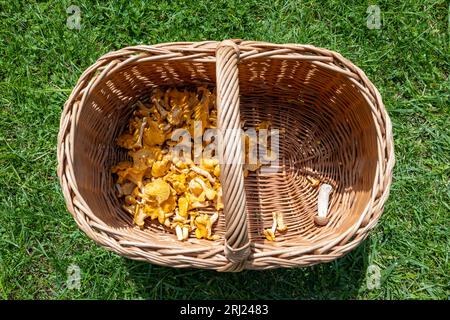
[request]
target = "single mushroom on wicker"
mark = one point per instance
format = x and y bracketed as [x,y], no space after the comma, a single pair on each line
[321,218]
[313,181]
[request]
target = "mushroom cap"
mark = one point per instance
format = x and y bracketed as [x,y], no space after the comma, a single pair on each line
[321,221]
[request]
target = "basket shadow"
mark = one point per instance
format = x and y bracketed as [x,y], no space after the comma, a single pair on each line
[341,279]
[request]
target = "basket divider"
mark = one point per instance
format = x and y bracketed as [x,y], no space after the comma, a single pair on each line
[237,243]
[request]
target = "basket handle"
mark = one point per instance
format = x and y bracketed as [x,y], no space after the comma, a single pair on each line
[237,243]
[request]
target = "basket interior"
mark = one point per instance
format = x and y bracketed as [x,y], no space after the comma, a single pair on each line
[326,131]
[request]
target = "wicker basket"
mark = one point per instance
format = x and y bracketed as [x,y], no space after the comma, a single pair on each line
[333,127]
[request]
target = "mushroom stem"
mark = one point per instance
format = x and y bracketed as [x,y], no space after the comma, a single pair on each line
[179,232]
[141,133]
[160,108]
[204,173]
[324,195]
[280,222]
[274,224]
[214,218]
[185,232]
[322,204]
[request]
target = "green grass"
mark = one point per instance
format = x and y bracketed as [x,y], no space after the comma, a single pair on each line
[41,60]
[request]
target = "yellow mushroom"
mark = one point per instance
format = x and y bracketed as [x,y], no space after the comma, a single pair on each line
[169,204]
[126,141]
[139,216]
[217,171]
[153,135]
[130,200]
[157,189]
[209,192]
[133,175]
[121,166]
[195,187]
[313,181]
[144,157]
[204,224]
[160,168]
[270,233]
[151,210]
[201,222]
[177,180]
[183,205]
[163,187]
[218,200]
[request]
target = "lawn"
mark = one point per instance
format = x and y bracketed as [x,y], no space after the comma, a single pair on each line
[41,60]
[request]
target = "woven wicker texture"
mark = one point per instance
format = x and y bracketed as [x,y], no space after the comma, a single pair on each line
[333,126]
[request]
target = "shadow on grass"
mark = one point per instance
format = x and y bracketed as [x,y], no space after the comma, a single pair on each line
[341,279]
